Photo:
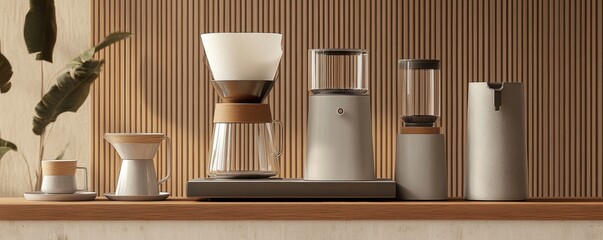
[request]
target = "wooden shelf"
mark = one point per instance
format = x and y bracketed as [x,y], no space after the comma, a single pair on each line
[183,209]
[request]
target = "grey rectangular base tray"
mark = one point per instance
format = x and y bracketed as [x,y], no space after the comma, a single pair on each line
[290,188]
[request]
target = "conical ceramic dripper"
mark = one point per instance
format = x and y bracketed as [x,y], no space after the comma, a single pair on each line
[243,91]
[137,175]
[243,56]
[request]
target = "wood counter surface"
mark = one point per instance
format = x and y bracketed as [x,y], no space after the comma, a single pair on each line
[188,209]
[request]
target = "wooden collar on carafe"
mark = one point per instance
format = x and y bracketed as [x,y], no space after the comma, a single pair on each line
[419,130]
[242,113]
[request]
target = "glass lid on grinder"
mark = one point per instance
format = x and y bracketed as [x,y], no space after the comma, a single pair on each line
[338,71]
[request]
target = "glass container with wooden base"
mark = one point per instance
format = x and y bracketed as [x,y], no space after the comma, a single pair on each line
[421,172]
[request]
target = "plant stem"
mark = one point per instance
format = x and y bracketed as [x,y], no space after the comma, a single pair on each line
[41,79]
[39,168]
[42,136]
[31,186]
[47,132]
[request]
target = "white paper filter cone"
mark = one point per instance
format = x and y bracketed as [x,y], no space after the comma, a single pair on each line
[243,56]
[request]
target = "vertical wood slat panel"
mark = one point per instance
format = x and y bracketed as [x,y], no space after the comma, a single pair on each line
[156,81]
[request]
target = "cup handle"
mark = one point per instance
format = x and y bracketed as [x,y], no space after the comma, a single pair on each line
[279,152]
[169,161]
[85,178]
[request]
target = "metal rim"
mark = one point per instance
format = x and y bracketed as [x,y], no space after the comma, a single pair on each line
[419,63]
[339,51]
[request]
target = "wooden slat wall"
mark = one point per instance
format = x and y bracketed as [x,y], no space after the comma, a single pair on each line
[156,81]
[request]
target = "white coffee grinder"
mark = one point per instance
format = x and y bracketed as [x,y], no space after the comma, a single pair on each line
[420,145]
[340,143]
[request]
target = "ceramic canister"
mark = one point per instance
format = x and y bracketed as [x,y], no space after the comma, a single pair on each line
[496,167]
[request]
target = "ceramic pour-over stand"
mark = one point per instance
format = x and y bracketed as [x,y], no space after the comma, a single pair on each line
[137,178]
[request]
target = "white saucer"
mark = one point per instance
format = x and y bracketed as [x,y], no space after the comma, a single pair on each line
[77,196]
[161,196]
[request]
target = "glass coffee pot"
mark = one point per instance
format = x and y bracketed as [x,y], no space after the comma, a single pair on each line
[245,150]
[244,67]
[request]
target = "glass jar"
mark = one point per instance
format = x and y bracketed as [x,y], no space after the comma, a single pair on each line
[245,150]
[419,80]
[339,71]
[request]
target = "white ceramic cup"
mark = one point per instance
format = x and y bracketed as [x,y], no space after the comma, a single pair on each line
[58,176]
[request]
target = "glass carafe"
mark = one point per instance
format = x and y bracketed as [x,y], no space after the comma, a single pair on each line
[245,150]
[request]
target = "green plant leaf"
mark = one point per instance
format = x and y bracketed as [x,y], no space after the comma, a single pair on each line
[88,54]
[6,146]
[72,87]
[67,95]
[40,29]
[111,39]
[85,56]
[62,154]
[6,72]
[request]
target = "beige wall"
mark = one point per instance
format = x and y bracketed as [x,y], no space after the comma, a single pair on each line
[17,106]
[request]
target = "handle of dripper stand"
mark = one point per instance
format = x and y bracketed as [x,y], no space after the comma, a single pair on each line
[280,149]
[169,160]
